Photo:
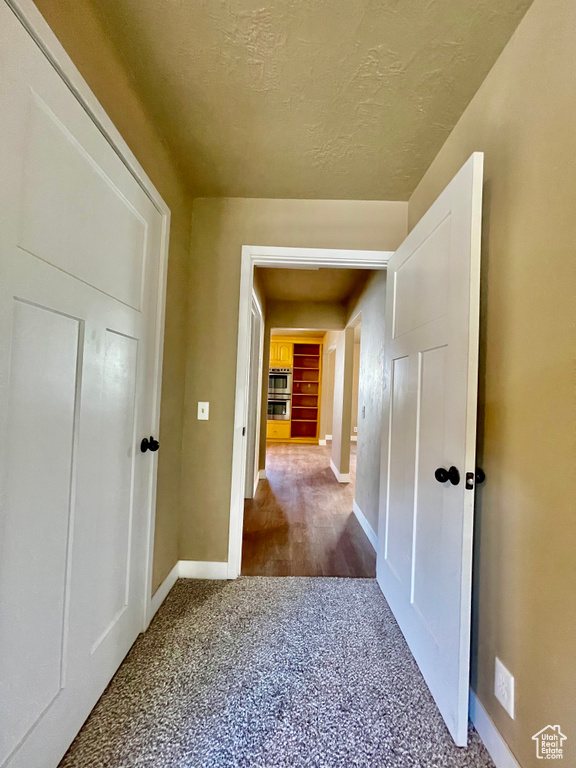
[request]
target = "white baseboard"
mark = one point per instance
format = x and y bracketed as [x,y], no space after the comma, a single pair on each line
[262,474]
[202,569]
[497,748]
[354,438]
[366,527]
[340,476]
[162,592]
[321,442]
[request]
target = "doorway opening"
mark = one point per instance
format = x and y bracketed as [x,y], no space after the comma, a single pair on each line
[301,517]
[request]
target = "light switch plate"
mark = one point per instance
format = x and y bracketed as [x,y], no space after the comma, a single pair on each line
[203,411]
[504,687]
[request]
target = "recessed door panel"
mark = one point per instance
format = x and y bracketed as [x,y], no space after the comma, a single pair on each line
[422,282]
[37,521]
[401,473]
[113,514]
[429,521]
[107,230]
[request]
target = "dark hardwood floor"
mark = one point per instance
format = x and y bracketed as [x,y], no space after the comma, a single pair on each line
[301,521]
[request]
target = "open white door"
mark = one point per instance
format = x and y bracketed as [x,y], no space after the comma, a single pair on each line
[424,564]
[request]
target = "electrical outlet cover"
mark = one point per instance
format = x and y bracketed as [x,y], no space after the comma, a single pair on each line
[504,687]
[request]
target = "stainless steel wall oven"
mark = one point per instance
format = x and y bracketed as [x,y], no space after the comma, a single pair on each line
[280,381]
[279,407]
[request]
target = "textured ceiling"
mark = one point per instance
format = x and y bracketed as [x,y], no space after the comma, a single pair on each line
[346,99]
[325,285]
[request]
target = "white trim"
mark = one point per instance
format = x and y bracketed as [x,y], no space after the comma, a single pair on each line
[270,256]
[273,256]
[342,477]
[38,29]
[329,438]
[202,569]
[366,527]
[497,748]
[162,592]
[262,474]
[321,442]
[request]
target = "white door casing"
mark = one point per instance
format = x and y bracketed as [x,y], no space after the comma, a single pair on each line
[424,563]
[83,240]
[270,256]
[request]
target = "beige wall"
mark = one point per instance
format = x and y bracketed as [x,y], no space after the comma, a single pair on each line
[524,119]
[219,229]
[313,315]
[81,34]
[371,305]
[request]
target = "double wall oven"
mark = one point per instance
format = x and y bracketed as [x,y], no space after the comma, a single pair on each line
[279,393]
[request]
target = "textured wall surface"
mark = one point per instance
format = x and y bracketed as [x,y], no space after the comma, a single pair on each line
[323,316]
[317,285]
[86,42]
[342,405]
[220,227]
[308,99]
[372,306]
[523,118]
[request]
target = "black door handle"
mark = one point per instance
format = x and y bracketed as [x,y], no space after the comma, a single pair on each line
[452,474]
[441,474]
[149,445]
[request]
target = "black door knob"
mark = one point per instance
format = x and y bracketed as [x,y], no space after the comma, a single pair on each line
[149,445]
[452,474]
[480,475]
[441,474]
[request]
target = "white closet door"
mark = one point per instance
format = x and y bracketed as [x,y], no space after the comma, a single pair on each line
[79,260]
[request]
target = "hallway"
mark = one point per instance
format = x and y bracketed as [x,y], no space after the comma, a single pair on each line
[301,522]
[270,673]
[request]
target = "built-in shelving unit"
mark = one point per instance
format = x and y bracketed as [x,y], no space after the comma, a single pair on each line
[306,391]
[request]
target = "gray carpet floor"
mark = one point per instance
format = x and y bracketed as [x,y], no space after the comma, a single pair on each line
[264,672]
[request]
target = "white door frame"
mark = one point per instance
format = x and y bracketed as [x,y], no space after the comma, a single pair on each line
[254,393]
[270,256]
[36,26]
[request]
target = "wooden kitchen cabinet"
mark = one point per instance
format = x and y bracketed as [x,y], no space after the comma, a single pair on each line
[281,354]
[278,430]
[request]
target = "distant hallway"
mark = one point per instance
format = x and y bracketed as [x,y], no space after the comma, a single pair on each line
[301,521]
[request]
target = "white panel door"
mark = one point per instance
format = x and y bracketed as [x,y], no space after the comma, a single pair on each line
[79,270]
[424,563]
